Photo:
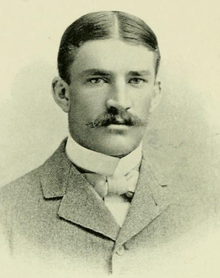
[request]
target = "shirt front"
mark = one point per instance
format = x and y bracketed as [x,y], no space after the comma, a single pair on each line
[106,165]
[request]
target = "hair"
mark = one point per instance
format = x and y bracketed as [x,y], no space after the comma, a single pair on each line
[100,26]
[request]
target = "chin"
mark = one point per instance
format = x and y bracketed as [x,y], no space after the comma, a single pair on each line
[118,146]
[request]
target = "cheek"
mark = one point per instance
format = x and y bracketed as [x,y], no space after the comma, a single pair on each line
[142,106]
[85,106]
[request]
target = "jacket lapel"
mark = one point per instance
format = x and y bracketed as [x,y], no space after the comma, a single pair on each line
[150,200]
[80,204]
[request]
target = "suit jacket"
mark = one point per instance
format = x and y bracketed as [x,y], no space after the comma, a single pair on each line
[51,217]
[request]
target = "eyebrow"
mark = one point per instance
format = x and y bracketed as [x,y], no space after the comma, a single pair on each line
[140,73]
[101,72]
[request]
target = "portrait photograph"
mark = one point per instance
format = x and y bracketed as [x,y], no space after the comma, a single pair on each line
[110,139]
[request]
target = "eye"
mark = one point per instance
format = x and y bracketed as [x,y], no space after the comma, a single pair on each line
[137,81]
[97,80]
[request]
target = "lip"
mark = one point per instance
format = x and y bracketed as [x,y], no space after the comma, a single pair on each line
[118,126]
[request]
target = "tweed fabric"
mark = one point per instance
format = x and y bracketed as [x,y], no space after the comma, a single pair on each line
[52,217]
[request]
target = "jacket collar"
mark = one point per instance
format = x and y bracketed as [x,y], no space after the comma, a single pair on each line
[55,172]
[152,197]
[81,205]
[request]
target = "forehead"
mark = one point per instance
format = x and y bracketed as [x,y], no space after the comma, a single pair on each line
[113,55]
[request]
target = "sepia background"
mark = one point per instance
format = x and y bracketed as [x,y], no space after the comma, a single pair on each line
[186,124]
[185,129]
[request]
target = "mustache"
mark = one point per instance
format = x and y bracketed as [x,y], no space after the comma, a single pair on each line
[122,117]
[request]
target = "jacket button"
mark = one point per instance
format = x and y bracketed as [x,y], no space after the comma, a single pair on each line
[120,251]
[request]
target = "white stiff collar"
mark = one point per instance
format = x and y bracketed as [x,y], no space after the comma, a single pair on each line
[101,163]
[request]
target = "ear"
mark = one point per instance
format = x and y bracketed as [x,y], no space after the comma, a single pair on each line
[156,96]
[60,90]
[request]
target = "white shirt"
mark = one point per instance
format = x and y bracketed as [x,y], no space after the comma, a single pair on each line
[108,166]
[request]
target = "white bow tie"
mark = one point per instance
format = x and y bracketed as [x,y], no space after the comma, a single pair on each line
[114,185]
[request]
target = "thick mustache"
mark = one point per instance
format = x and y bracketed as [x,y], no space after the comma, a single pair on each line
[122,117]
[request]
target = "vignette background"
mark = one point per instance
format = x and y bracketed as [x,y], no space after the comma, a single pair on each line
[185,129]
[185,125]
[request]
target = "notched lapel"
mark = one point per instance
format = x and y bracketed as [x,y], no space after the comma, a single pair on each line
[150,200]
[80,204]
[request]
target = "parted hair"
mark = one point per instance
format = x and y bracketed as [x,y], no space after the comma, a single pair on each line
[100,26]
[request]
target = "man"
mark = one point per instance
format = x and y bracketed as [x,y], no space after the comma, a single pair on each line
[100,202]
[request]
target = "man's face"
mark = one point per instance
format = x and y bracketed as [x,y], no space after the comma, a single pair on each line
[111,93]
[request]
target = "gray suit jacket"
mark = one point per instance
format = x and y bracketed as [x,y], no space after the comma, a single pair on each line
[52,216]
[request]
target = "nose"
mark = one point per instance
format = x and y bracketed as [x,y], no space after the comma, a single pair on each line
[119,98]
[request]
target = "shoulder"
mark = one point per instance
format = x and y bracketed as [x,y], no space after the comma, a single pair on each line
[17,200]
[25,191]
[20,190]
[29,185]
[193,185]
